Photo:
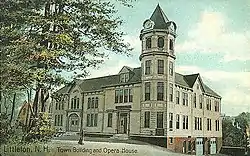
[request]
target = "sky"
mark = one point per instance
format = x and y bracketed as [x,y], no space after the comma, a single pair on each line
[213,40]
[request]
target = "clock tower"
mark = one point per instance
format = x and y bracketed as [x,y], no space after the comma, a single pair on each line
[158,71]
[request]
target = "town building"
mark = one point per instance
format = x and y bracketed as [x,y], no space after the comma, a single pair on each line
[151,101]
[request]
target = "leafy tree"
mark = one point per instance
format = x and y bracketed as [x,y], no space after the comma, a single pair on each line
[234,131]
[41,40]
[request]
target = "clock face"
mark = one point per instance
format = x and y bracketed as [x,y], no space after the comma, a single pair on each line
[148,24]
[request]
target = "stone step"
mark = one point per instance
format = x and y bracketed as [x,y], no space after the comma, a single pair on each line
[120,137]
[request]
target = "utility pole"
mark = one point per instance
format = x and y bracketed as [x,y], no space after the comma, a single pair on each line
[81,139]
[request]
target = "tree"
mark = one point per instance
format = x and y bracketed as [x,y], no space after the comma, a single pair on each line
[41,40]
[234,131]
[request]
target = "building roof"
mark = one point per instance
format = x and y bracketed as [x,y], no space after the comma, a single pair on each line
[95,84]
[159,18]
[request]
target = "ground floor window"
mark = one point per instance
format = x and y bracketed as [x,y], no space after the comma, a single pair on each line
[171,140]
[92,120]
[146,119]
[109,119]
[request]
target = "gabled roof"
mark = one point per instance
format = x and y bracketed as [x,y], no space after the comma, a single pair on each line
[159,18]
[99,83]
[191,79]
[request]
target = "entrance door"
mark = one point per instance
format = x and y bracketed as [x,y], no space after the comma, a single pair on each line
[212,146]
[123,123]
[199,146]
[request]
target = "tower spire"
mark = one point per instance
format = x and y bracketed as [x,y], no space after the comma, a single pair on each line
[159,18]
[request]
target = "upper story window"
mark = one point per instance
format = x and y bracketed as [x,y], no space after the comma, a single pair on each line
[160,91]
[75,102]
[147,67]
[171,44]
[177,97]
[185,99]
[200,101]
[93,102]
[160,66]
[194,100]
[123,95]
[160,42]
[216,106]
[147,91]
[171,68]
[171,92]
[209,107]
[148,43]
[124,77]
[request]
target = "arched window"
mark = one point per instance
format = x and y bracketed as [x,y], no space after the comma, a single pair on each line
[160,42]
[148,43]
[171,44]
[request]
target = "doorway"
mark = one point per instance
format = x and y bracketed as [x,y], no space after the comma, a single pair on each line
[123,123]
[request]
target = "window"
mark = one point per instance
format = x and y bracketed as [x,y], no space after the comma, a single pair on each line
[185,122]
[160,91]
[177,97]
[200,101]
[171,68]
[159,119]
[171,44]
[55,121]
[147,91]
[89,102]
[209,124]
[75,103]
[91,120]
[148,42]
[198,123]
[170,120]
[58,120]
[96,102]
[147,67]
[95,120]
[78,103]
[124,77]
[209,101]
[177,121]
[125,95]
[130,95]
[197,86]
[147,119]
[216,106]
[171,140]
[120,96]
[109,119]
[171,91]
[62,105]
[217,125]
[93,102]
[56,105]
[160,66]
[72,102]
[88,120]
[116,96]
[185,99]
[160,42]
[194,100]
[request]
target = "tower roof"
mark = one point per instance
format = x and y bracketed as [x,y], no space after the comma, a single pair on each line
[159,18]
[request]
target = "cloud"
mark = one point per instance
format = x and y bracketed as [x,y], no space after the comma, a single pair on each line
[234,87]
[212,35]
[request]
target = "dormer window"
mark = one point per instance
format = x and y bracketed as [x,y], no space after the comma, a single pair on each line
[124,77]
[160,42]
[148,43]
